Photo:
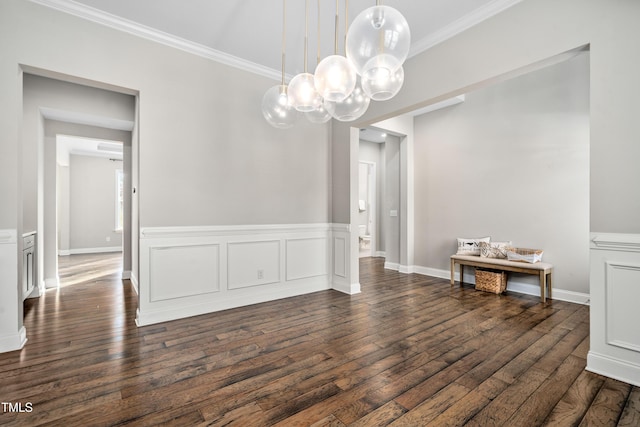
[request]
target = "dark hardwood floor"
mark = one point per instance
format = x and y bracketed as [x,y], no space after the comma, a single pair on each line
[409,350]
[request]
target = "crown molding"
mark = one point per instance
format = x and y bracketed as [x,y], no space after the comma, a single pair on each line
[103,18]
[460,25]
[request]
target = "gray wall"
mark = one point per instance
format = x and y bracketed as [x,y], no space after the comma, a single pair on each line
[511,162]
[92,202]
[532,31]
[202,136]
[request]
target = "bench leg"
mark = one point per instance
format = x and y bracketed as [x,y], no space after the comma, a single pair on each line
[549,285]
[543,285]
[453,271]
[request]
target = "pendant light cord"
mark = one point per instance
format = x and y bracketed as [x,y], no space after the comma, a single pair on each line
[318,40]
[335,48]
[284,35]
[306,32]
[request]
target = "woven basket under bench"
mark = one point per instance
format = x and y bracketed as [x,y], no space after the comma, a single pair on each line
[491,281]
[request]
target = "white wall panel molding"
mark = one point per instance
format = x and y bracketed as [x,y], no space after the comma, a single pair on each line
[341,275]
[306,257]
[615,306]
[183,271]
[622,300]
[187,271]
[253,263]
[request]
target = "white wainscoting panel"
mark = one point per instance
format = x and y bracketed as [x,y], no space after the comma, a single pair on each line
[306,258]
[182,271]
[187,271]
[253,263]
[622,307]
[615,306]
[341,273]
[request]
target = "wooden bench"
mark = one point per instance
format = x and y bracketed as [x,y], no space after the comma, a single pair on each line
[541,269]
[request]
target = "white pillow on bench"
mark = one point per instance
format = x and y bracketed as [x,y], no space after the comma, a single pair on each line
[470,246]
[495,249]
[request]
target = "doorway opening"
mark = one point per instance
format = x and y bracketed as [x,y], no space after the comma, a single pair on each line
[80,166]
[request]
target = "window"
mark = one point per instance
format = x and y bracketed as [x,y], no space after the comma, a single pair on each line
[119,199]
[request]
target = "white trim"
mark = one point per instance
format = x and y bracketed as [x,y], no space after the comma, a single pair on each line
[126,275]
[148,33]
[460,25]
[229,230]
[616,242]
[121,24]
[513,286]
[14,341]
[90,250]
[612,367]
[134,283]
[380,254]
[51,282]
[352,289]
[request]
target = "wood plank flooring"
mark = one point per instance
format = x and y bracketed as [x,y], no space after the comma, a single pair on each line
[408,351]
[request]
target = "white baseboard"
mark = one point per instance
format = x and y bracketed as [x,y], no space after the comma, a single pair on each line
[126,275]
[351,289]
[380,254]
[134,283]
[51,282]
[614,368]
[181,311]
[14,341]
[79,251]
[513,286]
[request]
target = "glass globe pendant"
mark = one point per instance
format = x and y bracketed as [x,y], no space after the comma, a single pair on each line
[276,104]
[351,108]
[335,75]
[319,115]
[335,78]
[302,90]
[302,93]
[378,41]
[277,109]
[383,86]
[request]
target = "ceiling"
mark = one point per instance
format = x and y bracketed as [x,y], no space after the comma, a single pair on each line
[248,33]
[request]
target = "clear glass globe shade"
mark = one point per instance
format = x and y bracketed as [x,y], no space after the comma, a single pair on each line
[378,30]
[319,115]
[383,86]
[302,93]
[351,108]
[335,78]
[277,109]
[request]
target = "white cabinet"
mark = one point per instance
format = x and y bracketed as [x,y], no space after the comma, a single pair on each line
[28,265]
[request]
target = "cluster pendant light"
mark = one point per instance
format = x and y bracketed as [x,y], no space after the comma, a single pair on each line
[376,45]
[276,103]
